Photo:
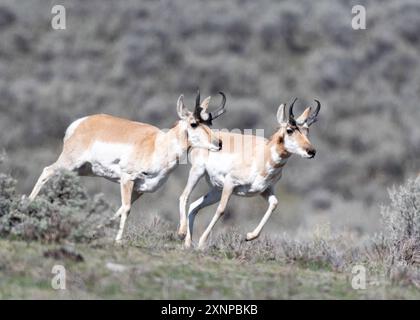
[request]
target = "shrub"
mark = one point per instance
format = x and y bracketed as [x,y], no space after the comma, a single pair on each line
[63,211]
[232,245]
[7,193]
[401,220]
[156,234]
[316,253]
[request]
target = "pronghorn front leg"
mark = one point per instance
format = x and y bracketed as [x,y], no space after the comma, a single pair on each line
[268,195]
[126,196]
[195,174]
[226,193]
[210,198]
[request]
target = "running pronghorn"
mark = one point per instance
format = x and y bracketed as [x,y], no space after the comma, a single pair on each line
[247,165]
[137,155]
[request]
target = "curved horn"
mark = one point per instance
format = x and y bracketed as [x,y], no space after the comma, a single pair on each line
[221,110]
[291,115]
[312,118]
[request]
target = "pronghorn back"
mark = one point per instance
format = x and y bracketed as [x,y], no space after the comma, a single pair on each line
[101,144]
[109,129]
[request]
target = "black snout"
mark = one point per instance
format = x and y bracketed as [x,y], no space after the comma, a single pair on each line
[311,153]
[220,145]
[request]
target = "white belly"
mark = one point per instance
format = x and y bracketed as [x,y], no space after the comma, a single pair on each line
[254,184]
[149,183]
[107,159]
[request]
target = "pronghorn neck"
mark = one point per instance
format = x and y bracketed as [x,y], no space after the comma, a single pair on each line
[176,140]
[277,153]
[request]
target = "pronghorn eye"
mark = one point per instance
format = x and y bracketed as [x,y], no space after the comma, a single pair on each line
[194,125]
[289,130]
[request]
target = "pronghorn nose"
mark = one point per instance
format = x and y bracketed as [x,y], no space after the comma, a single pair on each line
[220,144]
[311,152]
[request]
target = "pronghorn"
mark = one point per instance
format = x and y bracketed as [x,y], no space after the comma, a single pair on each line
[137,155]
[247,165]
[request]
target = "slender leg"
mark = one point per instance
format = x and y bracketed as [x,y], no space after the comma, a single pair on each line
[226,193]
[194,176]
[46,175]
[134,196]
[272,201]
[124,211]
[210,198]
[63,163]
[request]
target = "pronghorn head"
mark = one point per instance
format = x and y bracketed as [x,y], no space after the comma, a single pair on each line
[199,134]
[293,133]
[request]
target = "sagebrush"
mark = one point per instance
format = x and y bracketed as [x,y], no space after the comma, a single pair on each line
[401,223]
[63,211]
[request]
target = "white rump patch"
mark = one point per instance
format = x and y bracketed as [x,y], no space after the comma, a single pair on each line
[70,130]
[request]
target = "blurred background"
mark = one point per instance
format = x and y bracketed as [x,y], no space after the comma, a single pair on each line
[134,58]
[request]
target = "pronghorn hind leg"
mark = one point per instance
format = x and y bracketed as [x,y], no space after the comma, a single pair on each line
[194,176]
[63,163]
[272,201]
[210,198]
[226,193]
[46,175]
[126,200]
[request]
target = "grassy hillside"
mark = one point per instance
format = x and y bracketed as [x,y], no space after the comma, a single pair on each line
[138,271]
[65,226]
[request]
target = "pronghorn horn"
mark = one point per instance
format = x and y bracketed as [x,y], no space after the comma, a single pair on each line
[197,99]
[197,109]
[312,118]
[221,110]
[291,115]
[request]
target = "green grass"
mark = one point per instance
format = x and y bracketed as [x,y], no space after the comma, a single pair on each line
[170,272]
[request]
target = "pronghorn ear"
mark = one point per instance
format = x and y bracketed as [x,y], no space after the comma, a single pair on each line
[304,116]
[181,108]
[281,114]
[204,106]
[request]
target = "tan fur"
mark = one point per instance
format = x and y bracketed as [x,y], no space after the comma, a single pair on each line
[276,140]
[111,129]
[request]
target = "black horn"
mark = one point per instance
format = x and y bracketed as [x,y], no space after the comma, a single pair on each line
[197,109]
[291,115]
[313,117]
[197,99]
